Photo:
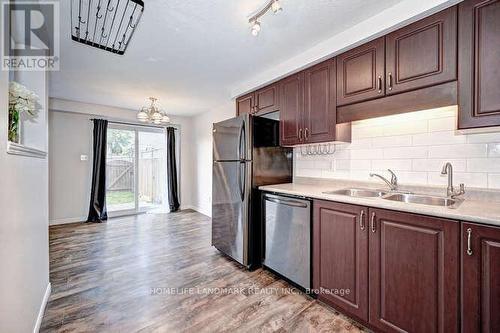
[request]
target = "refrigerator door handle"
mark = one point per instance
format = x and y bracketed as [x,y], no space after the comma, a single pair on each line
[242,137]
[242,186]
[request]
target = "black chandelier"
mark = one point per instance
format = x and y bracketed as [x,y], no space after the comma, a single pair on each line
[105,24]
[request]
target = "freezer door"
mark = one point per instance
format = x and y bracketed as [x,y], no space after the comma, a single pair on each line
[231,139]
[230,208]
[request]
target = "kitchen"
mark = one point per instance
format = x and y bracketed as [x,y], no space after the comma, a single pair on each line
[370,145]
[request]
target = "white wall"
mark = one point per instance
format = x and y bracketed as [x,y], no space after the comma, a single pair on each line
[24,244]
[202,155]
[414,145]
[70,131]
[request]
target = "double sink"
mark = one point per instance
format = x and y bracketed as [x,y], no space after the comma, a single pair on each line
[398,196]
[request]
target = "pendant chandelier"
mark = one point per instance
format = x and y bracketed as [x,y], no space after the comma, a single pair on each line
[153,114]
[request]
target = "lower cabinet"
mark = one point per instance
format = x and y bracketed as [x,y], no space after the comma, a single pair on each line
[480,278]
[413,272]
[340,251]
[396,272]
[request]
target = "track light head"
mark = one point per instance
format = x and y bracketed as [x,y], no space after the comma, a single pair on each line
[276,7]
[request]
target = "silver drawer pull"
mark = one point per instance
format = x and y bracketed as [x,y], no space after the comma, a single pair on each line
[469,241]
[373,223]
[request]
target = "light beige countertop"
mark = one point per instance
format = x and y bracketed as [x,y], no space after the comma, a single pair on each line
[481,206]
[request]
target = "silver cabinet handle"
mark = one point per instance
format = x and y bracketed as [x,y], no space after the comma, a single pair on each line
[362,220]
[469,241]
[300,134]
[306,134]
[379,84]
[390,81]
[373,222]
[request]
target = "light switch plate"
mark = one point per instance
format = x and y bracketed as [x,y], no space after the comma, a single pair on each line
[84,157]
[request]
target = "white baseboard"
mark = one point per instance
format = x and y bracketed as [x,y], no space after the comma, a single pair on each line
[67,220]
[45,300]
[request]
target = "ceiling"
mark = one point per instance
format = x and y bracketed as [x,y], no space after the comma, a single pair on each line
[190,53]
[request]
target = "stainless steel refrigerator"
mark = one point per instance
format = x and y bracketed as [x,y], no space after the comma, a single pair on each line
[246,155]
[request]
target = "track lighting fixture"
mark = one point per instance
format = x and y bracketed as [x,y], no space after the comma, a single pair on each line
[273,5]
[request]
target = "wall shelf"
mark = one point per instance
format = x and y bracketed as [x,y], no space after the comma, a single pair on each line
[21,150]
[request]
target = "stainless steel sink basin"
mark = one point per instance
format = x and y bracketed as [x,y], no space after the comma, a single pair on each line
[423,199]
[359,192]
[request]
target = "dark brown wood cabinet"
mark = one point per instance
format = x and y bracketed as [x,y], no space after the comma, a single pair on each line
[292,110]
[422,54]
[245,104]
[267,100]
[402,269]
[414,273]
[480,255]
[340,256]
[479,63]
[320,110]
[361,73]
[260,102]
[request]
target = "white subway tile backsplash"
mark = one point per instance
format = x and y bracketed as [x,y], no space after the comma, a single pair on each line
[483,138]
[442,124]
[494,180]
[405,152]
[438,138]
[469,179]
[392,141]
[458,151]
[483,165]
[395,165]
[416,146]
[436,165]
[494,150]
[363,154]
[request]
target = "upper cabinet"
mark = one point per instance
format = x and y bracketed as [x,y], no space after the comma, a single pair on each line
[267,99]
[308,109]
[292,110]
[245,104]
[422,54]
[320,106]
[479,63]
[361,72]
[260,102]
[419,55]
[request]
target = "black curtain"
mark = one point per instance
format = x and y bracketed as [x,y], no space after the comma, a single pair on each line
[97,210]
[173,193]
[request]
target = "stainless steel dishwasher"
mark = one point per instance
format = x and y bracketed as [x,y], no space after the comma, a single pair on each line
[287,237]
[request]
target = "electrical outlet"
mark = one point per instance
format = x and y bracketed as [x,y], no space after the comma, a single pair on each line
[84,157]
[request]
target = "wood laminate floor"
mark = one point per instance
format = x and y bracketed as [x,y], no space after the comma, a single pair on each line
[158,273]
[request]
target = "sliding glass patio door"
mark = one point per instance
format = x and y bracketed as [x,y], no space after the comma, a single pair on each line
[135,169]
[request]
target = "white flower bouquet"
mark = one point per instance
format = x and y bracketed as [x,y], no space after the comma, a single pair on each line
[21,101]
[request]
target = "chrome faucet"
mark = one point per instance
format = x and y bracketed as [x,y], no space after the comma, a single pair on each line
[393,183]
[450,190]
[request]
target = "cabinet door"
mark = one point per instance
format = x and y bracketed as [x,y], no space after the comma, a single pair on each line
[480,278]
[422,54]
[360,73]
[340,257]
[413,272]
[479,63]
[320,105]
[267,100]
[292,109]
[245,104]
